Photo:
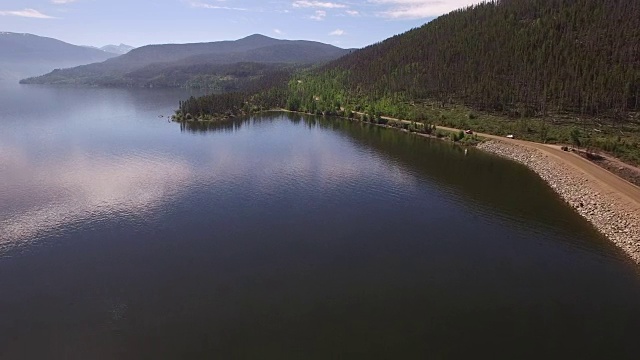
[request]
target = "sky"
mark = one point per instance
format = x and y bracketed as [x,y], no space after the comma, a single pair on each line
[348,24]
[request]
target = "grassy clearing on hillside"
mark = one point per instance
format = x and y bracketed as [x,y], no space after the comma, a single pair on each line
[620,140]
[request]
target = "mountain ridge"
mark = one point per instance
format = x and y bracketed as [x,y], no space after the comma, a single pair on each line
[24,54]
[253,48]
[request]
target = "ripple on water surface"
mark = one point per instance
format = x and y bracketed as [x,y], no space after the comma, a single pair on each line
[289,237]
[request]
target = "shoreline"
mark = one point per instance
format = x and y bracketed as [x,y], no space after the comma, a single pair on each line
[610,203]
[614,215]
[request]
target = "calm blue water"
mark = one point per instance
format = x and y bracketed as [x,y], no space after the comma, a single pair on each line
[125,236]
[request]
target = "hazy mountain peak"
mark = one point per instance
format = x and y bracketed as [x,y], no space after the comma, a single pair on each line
[27,54]
[117,49]
[258,40]
[257,37]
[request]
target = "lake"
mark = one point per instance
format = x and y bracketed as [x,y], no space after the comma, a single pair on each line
[281,236]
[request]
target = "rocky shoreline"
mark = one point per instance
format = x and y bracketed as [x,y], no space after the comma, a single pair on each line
[606,212]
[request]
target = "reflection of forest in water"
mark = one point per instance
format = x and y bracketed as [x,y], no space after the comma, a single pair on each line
[481,179]
[235,124]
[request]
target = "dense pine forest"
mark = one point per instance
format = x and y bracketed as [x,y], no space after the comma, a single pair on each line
[535,55]
[520,59]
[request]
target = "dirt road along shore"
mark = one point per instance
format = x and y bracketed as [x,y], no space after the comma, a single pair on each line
[608,202]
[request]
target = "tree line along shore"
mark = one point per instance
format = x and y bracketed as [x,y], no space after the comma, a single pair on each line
[550,71]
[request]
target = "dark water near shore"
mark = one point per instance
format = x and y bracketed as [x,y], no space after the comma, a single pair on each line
[125,236]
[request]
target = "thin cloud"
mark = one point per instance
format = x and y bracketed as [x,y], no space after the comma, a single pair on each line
[319,16]
[28,13]
[278,31]
[419,9]
[62,2]
[352,12]
[318,4]
[337,32]
[202,5]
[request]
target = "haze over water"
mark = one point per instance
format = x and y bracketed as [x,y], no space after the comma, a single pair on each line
[123,235]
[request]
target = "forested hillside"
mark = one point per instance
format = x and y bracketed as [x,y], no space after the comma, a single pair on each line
[544,66]
[529,55]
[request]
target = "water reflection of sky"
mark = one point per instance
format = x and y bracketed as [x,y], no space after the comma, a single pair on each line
[79,157]
[45,197]
[84,156]
[271,228]
[71,156]
[82,186]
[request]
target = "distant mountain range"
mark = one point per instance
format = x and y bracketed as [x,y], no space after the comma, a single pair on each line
[23,55]
[114,49]
[184,64]
[117,49]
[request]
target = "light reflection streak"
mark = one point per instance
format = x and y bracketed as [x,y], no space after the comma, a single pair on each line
[63,194]
[90,189]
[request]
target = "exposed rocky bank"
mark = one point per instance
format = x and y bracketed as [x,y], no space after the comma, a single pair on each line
[606,212]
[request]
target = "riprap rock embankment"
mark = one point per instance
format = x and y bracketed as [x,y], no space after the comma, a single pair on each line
[606,212]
